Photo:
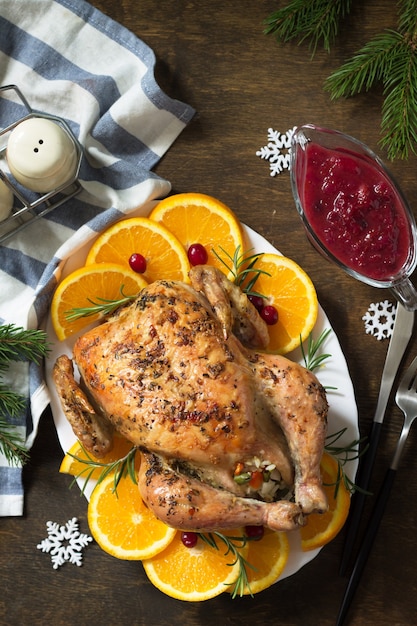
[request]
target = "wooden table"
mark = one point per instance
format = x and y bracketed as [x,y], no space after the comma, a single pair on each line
[214,56]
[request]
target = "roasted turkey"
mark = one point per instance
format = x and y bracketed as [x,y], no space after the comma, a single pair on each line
[182,373]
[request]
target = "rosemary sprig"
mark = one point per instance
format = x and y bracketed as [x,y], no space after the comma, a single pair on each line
[312,358]
[121,468]
[16,344]
[100,306]
[242,267]
[344,454]
[233,545]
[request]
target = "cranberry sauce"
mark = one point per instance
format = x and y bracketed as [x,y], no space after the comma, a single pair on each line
[355,211]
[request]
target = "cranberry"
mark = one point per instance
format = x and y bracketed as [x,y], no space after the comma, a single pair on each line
[197,254]
[189,539]
[137,263]
[254,532]
[269,314]
[257,301]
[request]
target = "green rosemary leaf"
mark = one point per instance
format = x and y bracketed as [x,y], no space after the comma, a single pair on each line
[100,306]
[343,454]
[121,468]
[312,358]
[241,266]
[232,544]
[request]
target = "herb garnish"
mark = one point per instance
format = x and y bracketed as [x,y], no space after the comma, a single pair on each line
[121,467]
[101,306]
[243,268]
[233,544]
[312,358]
[344,454]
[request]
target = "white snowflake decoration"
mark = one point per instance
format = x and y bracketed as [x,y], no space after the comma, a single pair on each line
[277,151]
[64,543]
[379,319]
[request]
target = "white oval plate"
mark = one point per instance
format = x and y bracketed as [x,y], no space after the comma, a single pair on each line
[333,373]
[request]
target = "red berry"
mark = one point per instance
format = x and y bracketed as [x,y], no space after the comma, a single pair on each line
[254,532]
[257,301]
[269,314]
[197,254]
[189,539]
[137,263]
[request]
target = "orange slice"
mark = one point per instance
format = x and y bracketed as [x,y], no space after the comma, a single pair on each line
[198,218]
[70,465]
[122,524]
[323,527]
[194,574]
[268,556]
[290,290]
[94,282]
[165,256]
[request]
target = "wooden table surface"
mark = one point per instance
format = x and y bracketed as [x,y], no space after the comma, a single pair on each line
[214,55]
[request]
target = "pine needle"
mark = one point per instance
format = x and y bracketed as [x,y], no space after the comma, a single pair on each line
[388,59]
[16,344]
[368,66]
[316,20]
[19,344]
[11,444]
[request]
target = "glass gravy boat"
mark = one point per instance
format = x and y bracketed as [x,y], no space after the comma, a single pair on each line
[353,211]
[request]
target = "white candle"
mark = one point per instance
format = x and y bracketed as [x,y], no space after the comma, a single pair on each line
[41,155]
[6,201]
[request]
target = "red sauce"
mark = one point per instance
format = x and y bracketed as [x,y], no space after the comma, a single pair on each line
[355,211]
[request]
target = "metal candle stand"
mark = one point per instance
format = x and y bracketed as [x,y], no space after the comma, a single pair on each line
[23,212]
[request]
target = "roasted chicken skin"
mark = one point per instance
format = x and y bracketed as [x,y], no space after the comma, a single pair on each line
[171,372]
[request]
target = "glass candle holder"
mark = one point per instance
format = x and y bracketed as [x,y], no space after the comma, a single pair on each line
[353,211]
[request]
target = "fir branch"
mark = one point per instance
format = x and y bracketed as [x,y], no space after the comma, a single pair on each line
[399,109]
[11,403]
[407,21]
[389,59]
[365,68]
[16,344]
[11,444]
[19,344]
[316,20]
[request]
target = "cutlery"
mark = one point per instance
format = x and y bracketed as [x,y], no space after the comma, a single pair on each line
[406,399]
[403,328]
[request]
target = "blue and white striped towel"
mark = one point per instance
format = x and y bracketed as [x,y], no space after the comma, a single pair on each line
[71,61]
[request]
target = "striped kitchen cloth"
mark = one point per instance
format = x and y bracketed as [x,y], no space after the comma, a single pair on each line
[71,61]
